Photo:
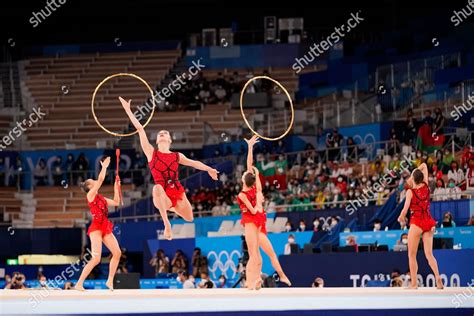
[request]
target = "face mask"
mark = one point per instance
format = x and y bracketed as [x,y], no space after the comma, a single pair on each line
[291,240]
[43,283]
[351,193]
[395,158]
[377,226]
[288,227]
[418,155]
[316,223]
[339,179]
[404,241]
[221,280]
[333,223]
[302,227]
[452,185]
[357,194]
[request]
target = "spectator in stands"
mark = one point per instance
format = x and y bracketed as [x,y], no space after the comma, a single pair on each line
[318,282]
[394,143]
[453,192]
[291,241]
[448,158]
[456,173]
[68,285]
[2,172]
[222,284]
[333,144]
[218,209]
[403,240]
[281,169]
[428,119]
[57,171]
[179,262]
[448,220]
[220,94]
[43,283]
[80,168]
[41,173]
[206,282]
[353,151]
[439,193]
[302,227]
[438,123]
[288,226]
[377,225]
[160,262]
[410,128]
[200,263]
[184,278]
[316,225]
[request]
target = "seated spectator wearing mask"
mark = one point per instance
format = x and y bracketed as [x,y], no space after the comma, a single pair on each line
[291,241]
[334,222]
[403,240]
[184,278]
[302,227]
[456,173]
[288,227]
[453,192]
[222,284]
[439,193]
[448,220]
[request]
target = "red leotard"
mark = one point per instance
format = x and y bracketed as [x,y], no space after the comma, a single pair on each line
[259,219]
[100,212]
[164,169]
[420,208]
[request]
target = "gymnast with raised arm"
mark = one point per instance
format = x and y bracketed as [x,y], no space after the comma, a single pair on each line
[168,193]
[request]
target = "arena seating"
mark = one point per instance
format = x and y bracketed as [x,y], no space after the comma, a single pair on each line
[63,87]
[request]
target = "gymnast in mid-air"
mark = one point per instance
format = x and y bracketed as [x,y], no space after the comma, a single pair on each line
[168,193]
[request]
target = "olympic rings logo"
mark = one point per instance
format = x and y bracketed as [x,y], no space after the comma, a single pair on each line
[220,263]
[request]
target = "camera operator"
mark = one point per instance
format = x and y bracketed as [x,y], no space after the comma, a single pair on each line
[18,282]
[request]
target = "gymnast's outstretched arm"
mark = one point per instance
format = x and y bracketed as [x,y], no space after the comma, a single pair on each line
[146,146]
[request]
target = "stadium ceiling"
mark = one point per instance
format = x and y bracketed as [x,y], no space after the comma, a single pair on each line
[88,21]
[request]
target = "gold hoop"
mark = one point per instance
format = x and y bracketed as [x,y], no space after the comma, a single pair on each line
[289,98]
[117,75]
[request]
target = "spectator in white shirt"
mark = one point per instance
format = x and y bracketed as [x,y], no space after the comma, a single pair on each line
[184,278]
[455,173]
[453,192]
[440,191]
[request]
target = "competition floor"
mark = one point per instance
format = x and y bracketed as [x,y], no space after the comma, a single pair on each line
[276,301]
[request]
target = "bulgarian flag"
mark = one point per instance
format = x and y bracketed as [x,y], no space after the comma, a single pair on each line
[427,140]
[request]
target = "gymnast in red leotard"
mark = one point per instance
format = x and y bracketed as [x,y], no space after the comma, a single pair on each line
[254,220]
[100,230]
[168,193]
[421,223]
